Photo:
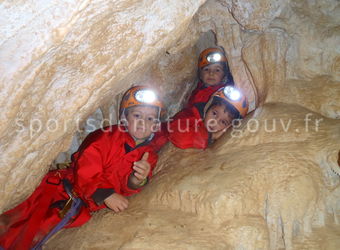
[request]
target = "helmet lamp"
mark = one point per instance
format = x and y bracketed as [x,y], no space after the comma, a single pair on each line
[214,57]
[145,96]
[232,93]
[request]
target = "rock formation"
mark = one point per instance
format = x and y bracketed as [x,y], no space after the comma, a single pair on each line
[269,188]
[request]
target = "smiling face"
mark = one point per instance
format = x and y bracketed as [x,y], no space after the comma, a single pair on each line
[212,74]
[217,118]
[142,121]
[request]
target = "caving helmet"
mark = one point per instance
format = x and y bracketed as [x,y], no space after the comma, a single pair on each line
[232,96]
[140,95]
[210,56]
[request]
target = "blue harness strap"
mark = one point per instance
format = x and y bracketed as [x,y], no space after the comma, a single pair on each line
[74,210]
[77,203]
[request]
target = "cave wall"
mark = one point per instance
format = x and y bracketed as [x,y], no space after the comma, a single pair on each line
[61,62]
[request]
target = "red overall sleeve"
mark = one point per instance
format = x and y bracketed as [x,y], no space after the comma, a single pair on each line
[188,131]
[130,158]
[202,93]
[160,138]
[193,96]
[89,164]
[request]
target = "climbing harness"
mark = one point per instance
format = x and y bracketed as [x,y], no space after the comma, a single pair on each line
[71,208]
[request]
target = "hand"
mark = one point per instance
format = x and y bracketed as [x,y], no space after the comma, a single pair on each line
[116,202]
[218,134]
[142,168]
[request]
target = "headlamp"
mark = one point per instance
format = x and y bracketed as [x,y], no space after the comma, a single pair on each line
[214,57]
[232,93]
[145,96]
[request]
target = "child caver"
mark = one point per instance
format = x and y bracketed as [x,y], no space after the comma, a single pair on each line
[213,72]
[111,163]
[198,127]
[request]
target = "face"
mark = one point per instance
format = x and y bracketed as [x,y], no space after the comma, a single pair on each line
[217,118]
[212,74]
[142,122]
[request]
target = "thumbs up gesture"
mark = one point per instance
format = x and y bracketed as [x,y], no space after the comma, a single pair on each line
[142,167]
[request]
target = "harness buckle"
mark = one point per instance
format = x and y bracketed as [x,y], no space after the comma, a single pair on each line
[66,208]
[69,190]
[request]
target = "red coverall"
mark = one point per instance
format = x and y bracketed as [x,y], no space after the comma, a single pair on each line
[100,167]
[160,138]
[187,130]
[202,93]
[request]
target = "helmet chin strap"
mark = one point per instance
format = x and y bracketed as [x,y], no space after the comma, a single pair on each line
[206,107]
[159,114]
[225,79]
[122,119]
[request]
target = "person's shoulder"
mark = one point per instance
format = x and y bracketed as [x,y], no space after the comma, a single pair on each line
[111,129]
[105,130]
[105,133]
[185,113]
[218,86]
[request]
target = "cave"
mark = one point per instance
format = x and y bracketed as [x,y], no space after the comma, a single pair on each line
[270,183]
